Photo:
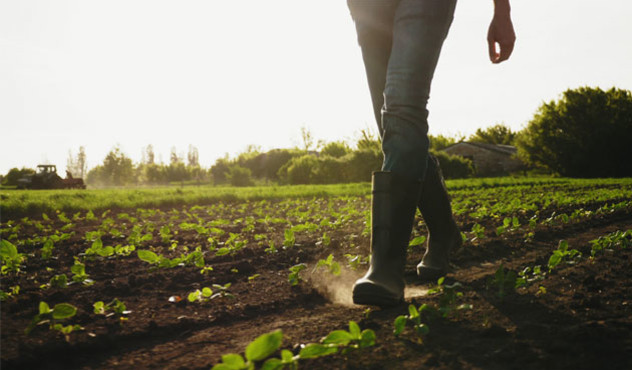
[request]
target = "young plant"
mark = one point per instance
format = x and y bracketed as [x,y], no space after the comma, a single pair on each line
[53,317]
[11,259]
[334,267]
[448,295]
[115,307]
[354,261]
[79,274]
[504,280]
[294,276]
[563,253]
[289,238]
[413,318]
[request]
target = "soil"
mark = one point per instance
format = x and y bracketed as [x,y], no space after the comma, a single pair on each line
[578,317]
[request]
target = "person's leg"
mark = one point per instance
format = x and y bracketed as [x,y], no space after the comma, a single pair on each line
[419,29]
[396,190]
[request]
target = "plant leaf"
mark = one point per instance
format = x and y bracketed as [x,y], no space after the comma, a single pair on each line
[314,350]
[338,337]
[148,256]
[354,330]
[264,346]
[233,360]
[63,311]
[400,324]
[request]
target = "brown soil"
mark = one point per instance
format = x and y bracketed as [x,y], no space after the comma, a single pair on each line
[584,320]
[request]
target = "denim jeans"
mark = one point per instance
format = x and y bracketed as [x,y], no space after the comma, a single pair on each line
[401,41]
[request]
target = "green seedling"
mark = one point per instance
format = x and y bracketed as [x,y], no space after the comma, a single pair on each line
[79,274]
[478,231]
[58,281]
[15,290]
[115,307]
[11,259]
[509,224]
[289,238]
[413,318]
[420,240]
[165,233]
[222,291]
[294,276]
[265,345]
[562,253]
[334,267]
[354,261]
[617,239]
[448,296]
[253,277]
[529,275]
[325,239]
[258,350]
[53,317]
[271,248]
[47,249]
[504,280]
[97,249]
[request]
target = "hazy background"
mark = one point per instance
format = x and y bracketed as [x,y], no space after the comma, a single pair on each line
[224,74]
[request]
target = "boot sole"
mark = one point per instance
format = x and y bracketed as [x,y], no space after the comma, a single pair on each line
[373,296]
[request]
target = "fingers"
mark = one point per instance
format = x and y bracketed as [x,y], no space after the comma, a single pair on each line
[499,51]
[493,54]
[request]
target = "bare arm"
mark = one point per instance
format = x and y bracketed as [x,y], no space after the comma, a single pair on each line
[501,36]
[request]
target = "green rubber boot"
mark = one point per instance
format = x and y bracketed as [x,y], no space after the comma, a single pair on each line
[444,235]
[392,214]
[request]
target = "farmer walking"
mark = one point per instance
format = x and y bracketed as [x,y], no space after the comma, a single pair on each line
[401,41]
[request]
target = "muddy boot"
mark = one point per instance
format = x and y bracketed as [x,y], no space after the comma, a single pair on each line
[443,233]
[392,215]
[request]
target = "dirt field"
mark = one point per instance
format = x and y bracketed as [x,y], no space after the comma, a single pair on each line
[578,316]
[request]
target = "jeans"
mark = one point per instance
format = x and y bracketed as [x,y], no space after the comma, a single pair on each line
[401,41]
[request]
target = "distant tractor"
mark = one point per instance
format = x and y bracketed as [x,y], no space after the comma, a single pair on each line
[47,178]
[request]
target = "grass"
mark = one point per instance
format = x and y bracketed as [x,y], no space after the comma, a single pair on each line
[15,204]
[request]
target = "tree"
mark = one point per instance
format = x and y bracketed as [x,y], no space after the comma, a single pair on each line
[77,166]
[586,133]
[14,174]
[441,142]
[335,149]
[148,155]
[174,158]
[497,134]
[117,169]
[307,139]
[193,157]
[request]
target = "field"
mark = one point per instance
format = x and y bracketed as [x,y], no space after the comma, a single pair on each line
[176,278]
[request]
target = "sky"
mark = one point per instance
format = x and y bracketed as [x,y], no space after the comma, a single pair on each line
[222,75]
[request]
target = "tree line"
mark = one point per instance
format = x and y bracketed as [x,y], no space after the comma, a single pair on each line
[585,133]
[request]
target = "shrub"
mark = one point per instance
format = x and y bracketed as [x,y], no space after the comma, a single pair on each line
[454,166]
[239,176]
[586,133]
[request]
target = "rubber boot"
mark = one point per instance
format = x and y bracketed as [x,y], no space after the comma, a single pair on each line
[392,213]
[443,233]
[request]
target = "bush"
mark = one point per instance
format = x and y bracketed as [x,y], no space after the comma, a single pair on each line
[239,176]
[454,166]
[587,133]
[335,149]
[14,174]
[299,170]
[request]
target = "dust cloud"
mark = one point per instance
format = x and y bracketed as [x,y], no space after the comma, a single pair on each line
[338,289]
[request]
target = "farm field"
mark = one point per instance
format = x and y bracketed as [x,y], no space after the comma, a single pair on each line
[176,278]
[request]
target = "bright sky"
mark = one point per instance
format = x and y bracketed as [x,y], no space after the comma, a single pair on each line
[224,74]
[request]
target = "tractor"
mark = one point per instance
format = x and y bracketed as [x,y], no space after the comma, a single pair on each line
[47,178]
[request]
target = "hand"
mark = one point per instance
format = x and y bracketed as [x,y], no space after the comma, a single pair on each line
[501,33]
